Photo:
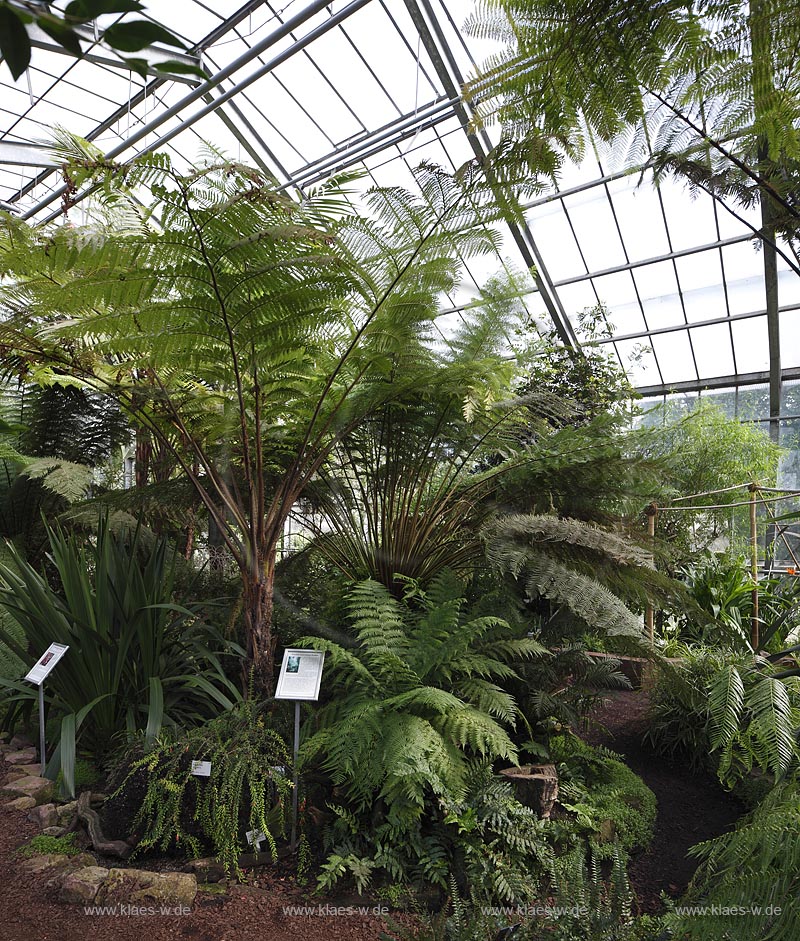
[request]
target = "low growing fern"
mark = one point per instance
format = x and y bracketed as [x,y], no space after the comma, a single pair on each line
[748,884]
[413,702]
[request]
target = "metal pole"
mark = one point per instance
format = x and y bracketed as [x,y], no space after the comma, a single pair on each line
[754,638]
[42,758]
[296,776]
[651,512]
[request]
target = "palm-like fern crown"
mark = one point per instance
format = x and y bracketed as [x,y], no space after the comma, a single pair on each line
[247,329]
[415,696]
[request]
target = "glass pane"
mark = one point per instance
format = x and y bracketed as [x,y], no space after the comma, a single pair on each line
[554,239]
[750,344]
[637,357]
[674,354]
[790,338]
[639,218]
[594,225]
[712,351]
[690,221]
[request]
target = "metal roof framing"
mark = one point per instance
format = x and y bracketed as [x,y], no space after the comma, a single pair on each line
[437,115]
[449,74]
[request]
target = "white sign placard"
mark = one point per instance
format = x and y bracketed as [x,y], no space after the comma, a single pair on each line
[301,674]
[202,769]
[39,672]
[255,838]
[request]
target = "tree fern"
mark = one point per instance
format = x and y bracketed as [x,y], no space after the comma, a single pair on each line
[291,322]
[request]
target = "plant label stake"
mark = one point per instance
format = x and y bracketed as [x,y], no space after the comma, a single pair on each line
[299,679]
[37,674]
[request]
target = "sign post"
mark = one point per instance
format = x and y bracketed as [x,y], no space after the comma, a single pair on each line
[37,674]
[299,679]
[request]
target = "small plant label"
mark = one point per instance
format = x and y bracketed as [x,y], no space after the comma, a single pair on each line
[201,769]
[254,838]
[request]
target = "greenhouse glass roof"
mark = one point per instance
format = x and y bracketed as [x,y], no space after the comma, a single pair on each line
[305,89]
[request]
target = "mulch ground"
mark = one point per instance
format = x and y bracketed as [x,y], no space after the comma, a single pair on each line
[30,912]
[692,807]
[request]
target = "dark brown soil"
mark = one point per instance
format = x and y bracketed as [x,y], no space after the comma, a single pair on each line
[692,807]
[254,912]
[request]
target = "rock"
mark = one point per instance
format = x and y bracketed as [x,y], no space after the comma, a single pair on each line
[40,789]
[66,812]
[58,861]
[21,803]
[5,748]
[134,885]
[3,736]
[24,757]
[20,740]
[82,885]
[606,831]
[45,815]
[206,870]
[34,769]
[14,774]
[54,831]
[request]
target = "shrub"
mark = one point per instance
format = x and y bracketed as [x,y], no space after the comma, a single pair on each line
[679,724]
[722,587]
[247,789]
[732,712]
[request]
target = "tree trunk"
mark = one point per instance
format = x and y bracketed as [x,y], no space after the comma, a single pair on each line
[257,600]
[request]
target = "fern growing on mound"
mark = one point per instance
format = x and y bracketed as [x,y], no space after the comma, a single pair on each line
[415,697]
[411,702]
[248,787]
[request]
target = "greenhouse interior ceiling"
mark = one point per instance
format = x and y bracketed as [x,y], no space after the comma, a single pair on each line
[306,89]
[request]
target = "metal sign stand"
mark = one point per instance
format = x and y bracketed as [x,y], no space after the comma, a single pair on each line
[299,679]
[37,674]
[41,727]
[296,775]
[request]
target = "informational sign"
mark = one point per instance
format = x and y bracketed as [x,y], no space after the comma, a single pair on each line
[301,674]
[201,769]
[39,672]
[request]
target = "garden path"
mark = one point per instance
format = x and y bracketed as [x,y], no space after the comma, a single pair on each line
[692,807]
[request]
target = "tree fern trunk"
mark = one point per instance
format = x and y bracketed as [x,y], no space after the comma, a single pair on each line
[258,600]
